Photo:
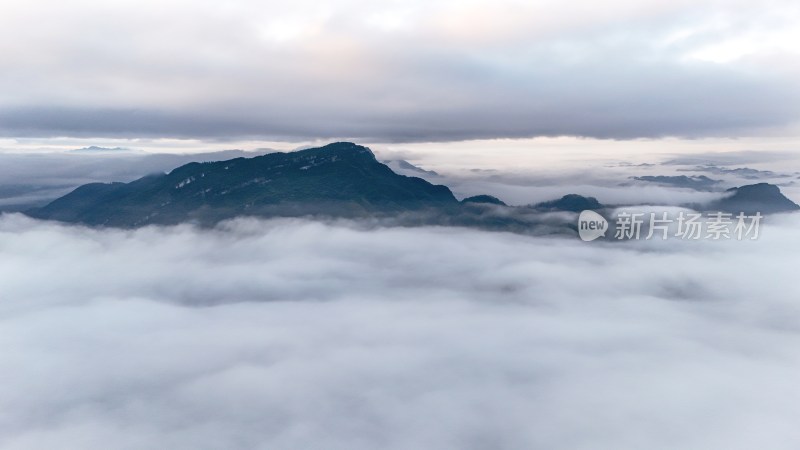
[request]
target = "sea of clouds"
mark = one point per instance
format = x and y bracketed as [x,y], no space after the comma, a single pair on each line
[293,334]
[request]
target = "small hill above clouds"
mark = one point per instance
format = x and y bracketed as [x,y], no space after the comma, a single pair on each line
[762,197]
[569,202]
[484,199]
[339,179]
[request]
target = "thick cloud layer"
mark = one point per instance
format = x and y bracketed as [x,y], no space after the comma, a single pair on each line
[416,71]
[524,174]
[293,334]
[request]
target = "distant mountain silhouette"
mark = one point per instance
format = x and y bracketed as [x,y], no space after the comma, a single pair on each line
[339,179]
[406,168]
[762,197]
[570,202]
[698,182]
[484,199]
[97,149]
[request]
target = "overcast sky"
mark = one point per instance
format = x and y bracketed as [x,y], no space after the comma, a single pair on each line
[398,71]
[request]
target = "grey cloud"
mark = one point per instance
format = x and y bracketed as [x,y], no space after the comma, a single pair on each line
[732,158]
[294,334]
[525,188]
[101,150]
[740,172]
[212,74]
[698,182]
[619,102]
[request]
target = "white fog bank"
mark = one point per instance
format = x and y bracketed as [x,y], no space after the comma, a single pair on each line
[290,334]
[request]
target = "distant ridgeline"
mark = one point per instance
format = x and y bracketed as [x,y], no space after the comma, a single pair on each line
[338,180]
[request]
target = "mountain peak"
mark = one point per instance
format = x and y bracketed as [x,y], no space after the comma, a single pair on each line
[340,149]
[760,197]
[346,146]
[755,189]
